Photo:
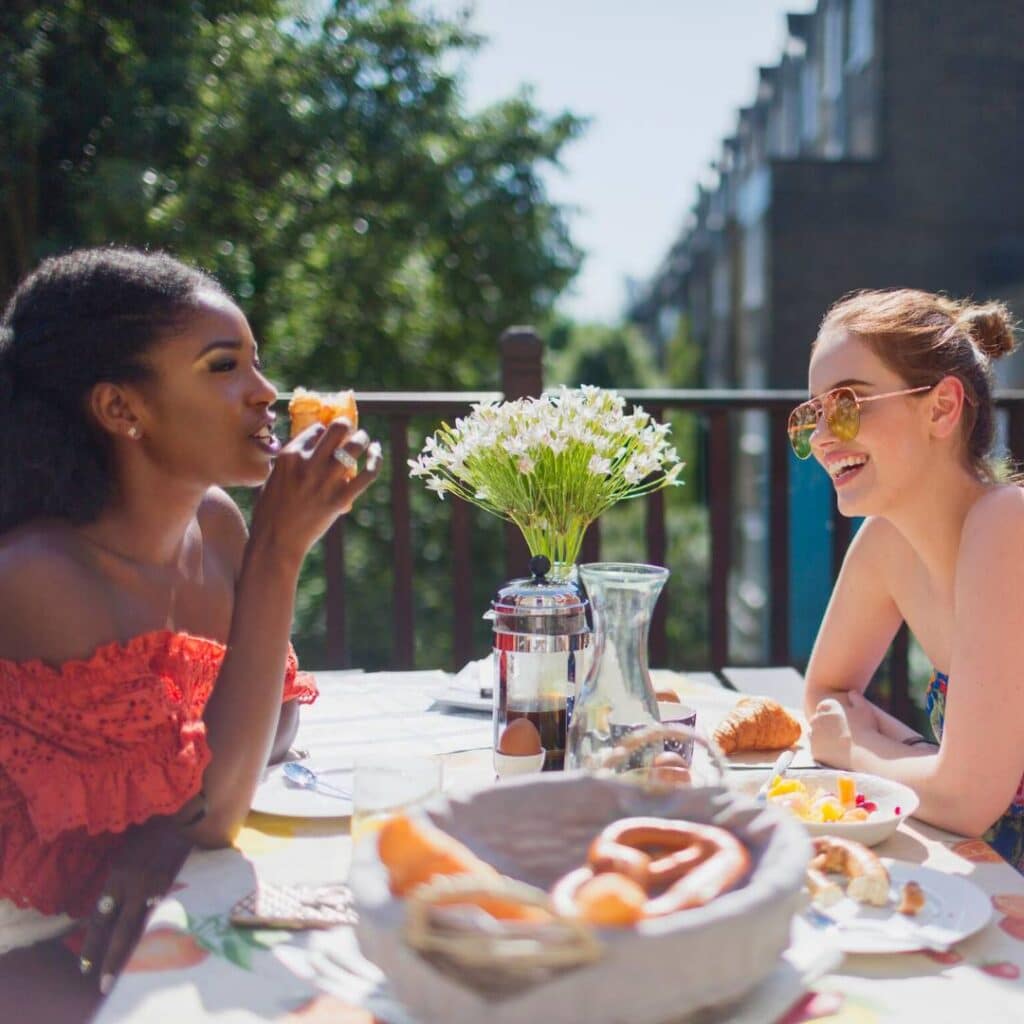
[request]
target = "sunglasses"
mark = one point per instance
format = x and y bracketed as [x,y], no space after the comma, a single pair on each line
[841,409]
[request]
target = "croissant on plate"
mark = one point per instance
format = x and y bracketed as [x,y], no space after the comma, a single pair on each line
[757,723]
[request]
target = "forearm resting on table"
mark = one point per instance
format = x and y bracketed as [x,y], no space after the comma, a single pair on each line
[948,799]
[888,725]
[243,712]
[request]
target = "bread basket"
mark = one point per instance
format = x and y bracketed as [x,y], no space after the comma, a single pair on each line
[535,829]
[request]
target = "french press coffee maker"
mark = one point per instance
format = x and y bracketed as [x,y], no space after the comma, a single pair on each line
[540,641]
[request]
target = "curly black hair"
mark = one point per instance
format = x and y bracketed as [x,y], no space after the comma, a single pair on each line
[78,319]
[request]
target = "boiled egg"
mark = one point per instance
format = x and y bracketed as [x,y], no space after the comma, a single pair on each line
[520,739]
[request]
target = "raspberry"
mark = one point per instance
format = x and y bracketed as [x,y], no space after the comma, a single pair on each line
[897,810]
[869,806]
[860,799]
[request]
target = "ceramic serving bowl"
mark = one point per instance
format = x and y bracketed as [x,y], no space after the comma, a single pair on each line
[893,802]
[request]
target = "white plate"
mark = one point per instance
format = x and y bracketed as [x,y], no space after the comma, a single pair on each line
[888,795]
[276,795]
[466,700]
[954,908]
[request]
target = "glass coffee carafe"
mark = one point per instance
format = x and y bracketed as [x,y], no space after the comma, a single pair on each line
[616,697]
[540,637]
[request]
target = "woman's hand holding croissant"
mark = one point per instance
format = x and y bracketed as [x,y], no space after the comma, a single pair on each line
[310,485]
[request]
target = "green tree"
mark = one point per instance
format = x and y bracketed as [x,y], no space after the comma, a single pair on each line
[317,158]
[599,354]
[322,168]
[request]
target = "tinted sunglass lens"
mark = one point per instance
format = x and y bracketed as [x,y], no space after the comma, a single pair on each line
[843,415]
[802,422]
[801,444]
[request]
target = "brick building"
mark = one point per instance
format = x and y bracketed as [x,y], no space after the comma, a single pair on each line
[884,149]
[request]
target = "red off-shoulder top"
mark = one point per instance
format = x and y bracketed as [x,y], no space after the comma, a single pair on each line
[94,746]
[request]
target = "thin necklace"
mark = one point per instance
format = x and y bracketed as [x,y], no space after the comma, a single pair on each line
[138,563]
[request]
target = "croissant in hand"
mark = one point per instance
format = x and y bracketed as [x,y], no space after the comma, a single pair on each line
[757,723]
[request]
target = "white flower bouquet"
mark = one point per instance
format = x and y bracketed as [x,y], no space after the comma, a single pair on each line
[551,465]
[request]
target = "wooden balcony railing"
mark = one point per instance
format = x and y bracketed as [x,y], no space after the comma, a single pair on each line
[521,361]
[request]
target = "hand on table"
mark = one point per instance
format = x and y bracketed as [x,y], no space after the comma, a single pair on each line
[142,872]
[836,727]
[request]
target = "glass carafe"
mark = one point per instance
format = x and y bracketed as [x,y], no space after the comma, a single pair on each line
[617,696]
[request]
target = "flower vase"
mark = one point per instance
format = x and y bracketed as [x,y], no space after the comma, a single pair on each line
[617,695]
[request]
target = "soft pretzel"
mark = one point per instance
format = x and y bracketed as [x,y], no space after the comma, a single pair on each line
[869,881]
[677,865]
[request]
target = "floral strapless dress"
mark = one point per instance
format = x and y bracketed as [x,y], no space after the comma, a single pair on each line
[1006,836]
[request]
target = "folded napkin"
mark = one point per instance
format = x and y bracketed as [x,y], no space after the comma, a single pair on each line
[475,679]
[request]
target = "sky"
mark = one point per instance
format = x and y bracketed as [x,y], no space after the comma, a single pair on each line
[662,82]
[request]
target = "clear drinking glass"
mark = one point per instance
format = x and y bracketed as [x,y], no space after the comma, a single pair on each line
[617,695]
[382,787]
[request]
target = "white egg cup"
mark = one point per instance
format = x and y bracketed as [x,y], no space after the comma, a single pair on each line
[507,765]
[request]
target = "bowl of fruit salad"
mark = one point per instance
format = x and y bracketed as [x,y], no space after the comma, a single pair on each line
[853,805]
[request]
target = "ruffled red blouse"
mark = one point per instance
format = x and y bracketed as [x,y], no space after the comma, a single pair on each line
[94,746]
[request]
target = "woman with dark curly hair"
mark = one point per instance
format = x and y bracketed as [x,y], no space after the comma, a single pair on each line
[145,671]
[903,422]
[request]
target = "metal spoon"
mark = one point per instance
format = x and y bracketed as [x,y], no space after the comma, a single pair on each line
[306,778]
[782,763]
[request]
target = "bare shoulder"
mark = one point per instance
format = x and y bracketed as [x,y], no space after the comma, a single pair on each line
[51,606]
[878,546]
[994,527]
[224,527]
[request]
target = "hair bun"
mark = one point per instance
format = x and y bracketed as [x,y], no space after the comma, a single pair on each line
[990,328]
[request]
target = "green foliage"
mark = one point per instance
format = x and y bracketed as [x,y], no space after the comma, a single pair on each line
[683,357]
[322,169]
[598,354]
[317,159]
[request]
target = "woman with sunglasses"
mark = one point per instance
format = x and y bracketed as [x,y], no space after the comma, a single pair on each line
[902,421]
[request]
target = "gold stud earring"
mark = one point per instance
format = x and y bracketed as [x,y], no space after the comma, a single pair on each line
[133,432]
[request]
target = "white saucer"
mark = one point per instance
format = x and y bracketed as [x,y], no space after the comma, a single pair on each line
[276,795]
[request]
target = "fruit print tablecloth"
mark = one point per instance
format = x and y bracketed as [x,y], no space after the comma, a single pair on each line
[193,965]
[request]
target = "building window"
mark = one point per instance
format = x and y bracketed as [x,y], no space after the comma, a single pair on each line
[721,304]
[809,102]
[832,71]
[862,34]
[753,283]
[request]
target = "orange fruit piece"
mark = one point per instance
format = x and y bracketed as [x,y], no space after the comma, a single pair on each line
[847,790]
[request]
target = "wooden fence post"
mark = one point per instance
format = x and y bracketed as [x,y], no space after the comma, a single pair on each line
[522,376]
